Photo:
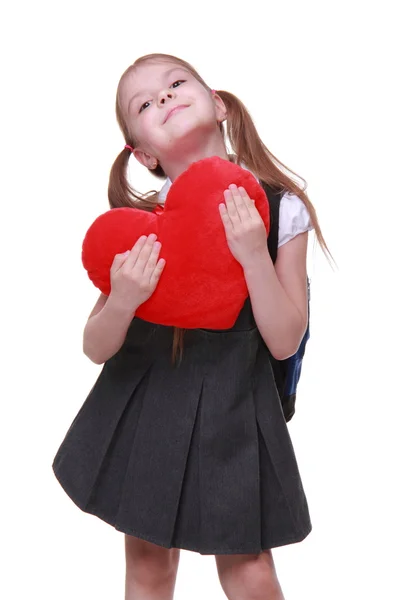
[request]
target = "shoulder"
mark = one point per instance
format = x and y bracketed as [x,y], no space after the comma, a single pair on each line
[294,218]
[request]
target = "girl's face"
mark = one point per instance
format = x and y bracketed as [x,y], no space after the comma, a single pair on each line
[166,108]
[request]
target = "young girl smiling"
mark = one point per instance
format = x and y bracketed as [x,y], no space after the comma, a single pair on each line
[195,453]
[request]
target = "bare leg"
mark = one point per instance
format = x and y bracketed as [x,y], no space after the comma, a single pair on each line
[151,570]
[249,576]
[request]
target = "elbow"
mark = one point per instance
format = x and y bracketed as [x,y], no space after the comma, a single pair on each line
[287,349]
[97,360]
[282,353]
[90,350]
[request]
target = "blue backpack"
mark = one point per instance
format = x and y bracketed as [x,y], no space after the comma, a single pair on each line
[286,372]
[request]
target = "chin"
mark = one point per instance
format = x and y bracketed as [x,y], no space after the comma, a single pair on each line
[192,127]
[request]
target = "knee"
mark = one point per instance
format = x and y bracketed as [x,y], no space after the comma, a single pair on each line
[150,564]
[150,572]
[258,579]
[255,575]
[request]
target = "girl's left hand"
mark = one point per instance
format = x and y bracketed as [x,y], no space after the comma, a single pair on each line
[244,228]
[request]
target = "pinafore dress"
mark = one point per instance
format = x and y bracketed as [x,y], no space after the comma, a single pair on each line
[195,455]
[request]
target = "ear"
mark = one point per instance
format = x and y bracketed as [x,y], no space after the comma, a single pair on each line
[220,108]
[147,160]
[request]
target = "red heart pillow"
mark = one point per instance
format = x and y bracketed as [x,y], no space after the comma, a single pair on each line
[202,285]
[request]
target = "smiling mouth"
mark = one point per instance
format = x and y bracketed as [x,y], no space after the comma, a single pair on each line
[175,110]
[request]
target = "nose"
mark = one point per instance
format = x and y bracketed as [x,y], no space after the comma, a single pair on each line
[165,95]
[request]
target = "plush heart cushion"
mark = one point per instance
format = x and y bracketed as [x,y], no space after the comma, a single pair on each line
[202,285]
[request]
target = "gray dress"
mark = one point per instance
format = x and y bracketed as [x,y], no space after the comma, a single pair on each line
[195,456]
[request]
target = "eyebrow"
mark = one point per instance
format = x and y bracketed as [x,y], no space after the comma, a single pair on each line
[166,74]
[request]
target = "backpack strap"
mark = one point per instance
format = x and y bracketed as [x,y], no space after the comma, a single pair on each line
[279,368]
[286,372]
[274,200]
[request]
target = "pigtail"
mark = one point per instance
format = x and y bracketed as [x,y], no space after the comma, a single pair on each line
[121,193]
[250,150]
[177,344]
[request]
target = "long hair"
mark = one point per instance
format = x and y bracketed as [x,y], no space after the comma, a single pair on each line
[247,147]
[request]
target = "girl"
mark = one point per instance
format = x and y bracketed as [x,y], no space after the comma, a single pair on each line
[194,452]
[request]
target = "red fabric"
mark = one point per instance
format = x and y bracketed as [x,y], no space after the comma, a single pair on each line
[202,285]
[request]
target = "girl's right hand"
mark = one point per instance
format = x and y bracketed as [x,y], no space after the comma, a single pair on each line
[135,274]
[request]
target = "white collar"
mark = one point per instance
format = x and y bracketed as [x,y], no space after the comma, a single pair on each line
[162,194]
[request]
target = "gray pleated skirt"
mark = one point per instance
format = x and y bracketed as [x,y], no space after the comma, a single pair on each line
[195,456]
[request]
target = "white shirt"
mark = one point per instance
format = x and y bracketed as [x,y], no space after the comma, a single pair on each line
[294,217]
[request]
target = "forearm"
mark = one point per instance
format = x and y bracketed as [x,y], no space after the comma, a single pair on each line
[105,332]
[278,319]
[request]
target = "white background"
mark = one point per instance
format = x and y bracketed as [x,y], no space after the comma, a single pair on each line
[320,80]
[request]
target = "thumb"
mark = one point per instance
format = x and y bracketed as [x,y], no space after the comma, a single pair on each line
[119,259]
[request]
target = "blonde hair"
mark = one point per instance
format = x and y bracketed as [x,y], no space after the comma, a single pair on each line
[246,144]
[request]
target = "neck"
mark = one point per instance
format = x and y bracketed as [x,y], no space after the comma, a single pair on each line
[190,153]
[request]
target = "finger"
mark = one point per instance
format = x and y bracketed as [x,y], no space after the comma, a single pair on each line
[119,260]
[226,220]
[144,253]
[250,203]
[253,213]
[152,260]
[231,208]
[240,198]
[135,251]
[158,269]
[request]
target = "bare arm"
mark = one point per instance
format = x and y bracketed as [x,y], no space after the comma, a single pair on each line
[279,296]
[134,276]
[278,293]
[106,328]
